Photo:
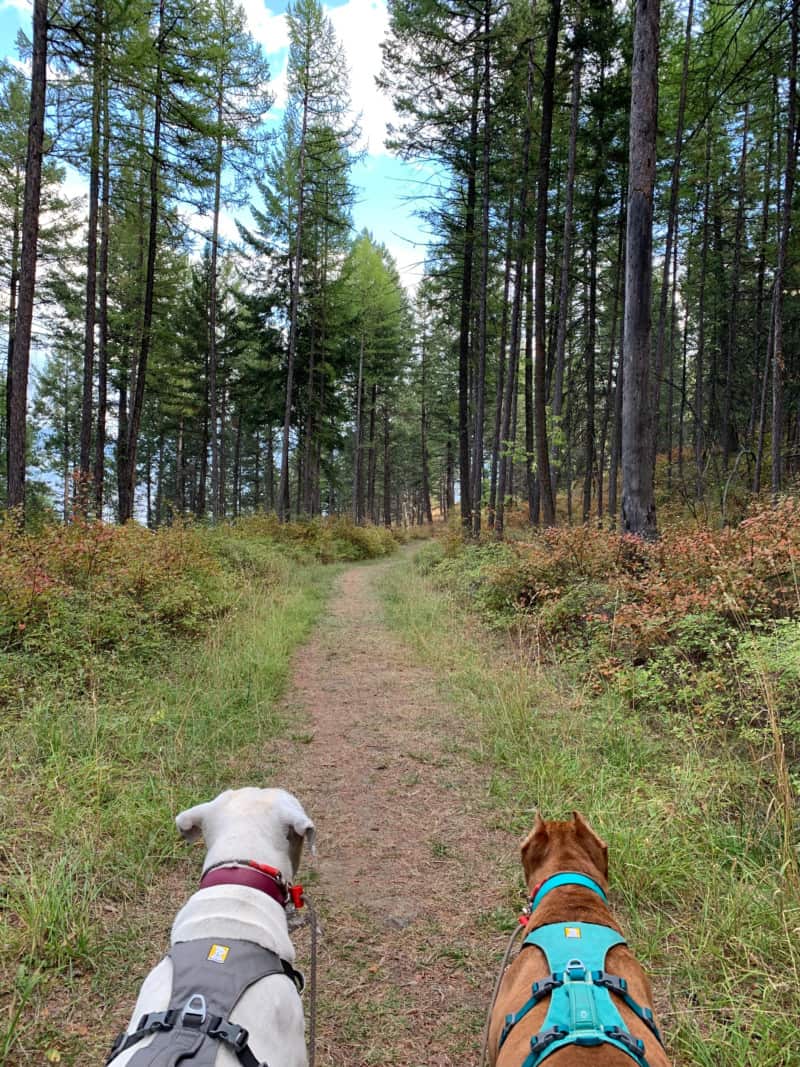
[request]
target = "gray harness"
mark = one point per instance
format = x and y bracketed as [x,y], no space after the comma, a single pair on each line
[208,980]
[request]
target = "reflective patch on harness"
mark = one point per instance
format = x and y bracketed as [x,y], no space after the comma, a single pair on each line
[572,931]
[218,953]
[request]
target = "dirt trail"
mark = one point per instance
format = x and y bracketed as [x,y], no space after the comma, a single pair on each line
[408,872]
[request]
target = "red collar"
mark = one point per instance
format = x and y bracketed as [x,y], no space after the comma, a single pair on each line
[259,876]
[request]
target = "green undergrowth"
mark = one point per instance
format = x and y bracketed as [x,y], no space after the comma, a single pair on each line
[140,673]
[692,814]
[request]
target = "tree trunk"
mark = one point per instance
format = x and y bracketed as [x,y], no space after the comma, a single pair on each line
[542,454]
[531,479]
[483,284]
[102,311]
[372,456]
[729,436]
[12,305]
[638,424]
[126,502]
[672,221]
[387,473]
[699,442]
[516,312]
[566,250]
[294,302]
[778,359]
[466,302]
[501,367]
[216,480]
[18,397]
[357,437]
[85,458]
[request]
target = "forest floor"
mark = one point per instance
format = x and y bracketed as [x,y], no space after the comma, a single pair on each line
[405,881]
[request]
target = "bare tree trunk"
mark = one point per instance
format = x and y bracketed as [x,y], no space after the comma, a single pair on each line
[18,395]
[357,436]
[85,458]
[516,312]
[638,497]
[501,368]
[699,442]
[778,359]
[294,303]
[483,284]
[611,353]
[548,92]
[672,221]
[16,232]
[729,436]
[466,303]
[127,497]
[387,472]
[531,478]
[102,311]
[566,249]
[216,494]
[372,456]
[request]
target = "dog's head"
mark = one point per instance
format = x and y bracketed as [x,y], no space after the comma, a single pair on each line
[552,846]
[265,825]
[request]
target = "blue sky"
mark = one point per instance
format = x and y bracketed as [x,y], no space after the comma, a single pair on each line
[383,182]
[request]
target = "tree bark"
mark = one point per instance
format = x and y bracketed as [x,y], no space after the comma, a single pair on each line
[638,426]
[483,283]
[85,457]
[548,92]
[516,311]
[466,303]
[102,311]
[778,358]
[126,502]
[566,249]
[18,402]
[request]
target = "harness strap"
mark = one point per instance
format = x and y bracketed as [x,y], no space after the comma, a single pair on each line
[542,1042]
[214,1026]
[613,983]
[619,986]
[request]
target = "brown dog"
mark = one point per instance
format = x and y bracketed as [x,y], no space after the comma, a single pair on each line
[571,1019]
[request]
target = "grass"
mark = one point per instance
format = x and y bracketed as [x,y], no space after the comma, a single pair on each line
[101,747]
[693,819]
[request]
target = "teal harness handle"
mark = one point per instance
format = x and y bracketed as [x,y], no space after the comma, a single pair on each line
[581,1010]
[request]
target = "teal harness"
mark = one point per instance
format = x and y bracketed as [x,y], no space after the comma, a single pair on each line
[582,1009]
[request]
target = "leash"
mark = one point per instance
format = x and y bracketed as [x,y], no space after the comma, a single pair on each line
[312,986]
[495,992]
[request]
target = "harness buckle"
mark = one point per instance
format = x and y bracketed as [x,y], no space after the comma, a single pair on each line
[232,1034]
[634,1044]
[546,1037]
[194,1011]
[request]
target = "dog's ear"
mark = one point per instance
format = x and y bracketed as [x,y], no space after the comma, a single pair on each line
[299,828]
[594,846]
[190,822]
[534,846]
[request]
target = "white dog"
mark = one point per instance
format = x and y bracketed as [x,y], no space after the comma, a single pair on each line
[254,839]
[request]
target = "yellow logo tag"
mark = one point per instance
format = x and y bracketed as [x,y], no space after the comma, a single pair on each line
[572,931]
[218,953]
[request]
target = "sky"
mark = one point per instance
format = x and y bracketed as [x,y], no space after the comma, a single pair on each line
[385,185]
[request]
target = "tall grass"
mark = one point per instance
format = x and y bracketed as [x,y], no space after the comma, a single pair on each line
[112,725]
[698,846]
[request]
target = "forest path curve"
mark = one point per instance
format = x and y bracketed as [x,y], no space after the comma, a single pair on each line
[408,872]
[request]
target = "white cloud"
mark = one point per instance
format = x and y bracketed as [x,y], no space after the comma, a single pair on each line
[269,29]
[19,5]
[361,25]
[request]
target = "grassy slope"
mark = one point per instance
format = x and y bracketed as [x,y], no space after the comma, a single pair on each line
[694,849]
[95,771]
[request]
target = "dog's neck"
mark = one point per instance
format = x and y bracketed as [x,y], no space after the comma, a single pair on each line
[258,848]
[569,902]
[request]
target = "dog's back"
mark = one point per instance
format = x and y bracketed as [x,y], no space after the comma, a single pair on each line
[570,920]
